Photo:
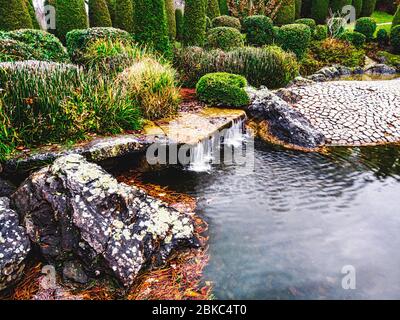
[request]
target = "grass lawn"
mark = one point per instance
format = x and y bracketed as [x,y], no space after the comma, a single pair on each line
[383,20]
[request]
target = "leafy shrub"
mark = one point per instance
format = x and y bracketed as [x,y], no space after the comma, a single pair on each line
[224,38]
[321,32]
[151,27]
[77,40]
[223,7]
[334,51]
[259,30]
[194,27]
[366,26]
[395,38]
[124,15]
[389,58]
[50,102]
[151,85]
[308,22]
[12,50]
[295,38]
[213,9]
[14,15]
[70,15]
[396,18]
[355,38]
[171,19]
[222,89]
[179,23]
[357,4]
[382,37]
[337,5]
[44,46]
[368,7]
[286,13]
[319,10]
[269,66]
[99,16]
[227,21]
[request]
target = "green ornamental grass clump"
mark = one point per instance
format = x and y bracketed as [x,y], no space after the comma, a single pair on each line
[259,30]
[43,45]
[14,15]
[395,39]
[151,26]
[366,26]
[223,88]
[99,16]
[227,21]
[194,26]
[295,38]
[152,86]
[355,38]
[224,38]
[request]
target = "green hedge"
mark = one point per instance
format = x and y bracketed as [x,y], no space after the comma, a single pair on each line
[227,21]
[171,19]
[355,38]
[224,38]
[124,15]
[308,22]
[395,39]
[295,38]
[194,27]
[224,89]
[286,13]
[151,26]
[223,7]
[77,40]
[298,4]
[70,15]
[179,24]
[259,30]
[32,14]
[213,9]
[366,26]
[368,8]
[99,16]
[43,45]
[306,8]
[337,5]
[111,9]
[319,10]
[357,4]
[14,15]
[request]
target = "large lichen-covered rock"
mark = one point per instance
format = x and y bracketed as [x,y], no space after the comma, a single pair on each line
[285,124]
[14,246]
[74,210]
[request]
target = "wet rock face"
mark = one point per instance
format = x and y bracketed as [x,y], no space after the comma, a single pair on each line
[73,210]
[6,188]
[14,246]
[284,122]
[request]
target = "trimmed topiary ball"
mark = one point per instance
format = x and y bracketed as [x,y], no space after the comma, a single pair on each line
[308,22]
[355,38]
[224,38]
[366,26]
[295,38]
[382,37]
[259,30]
[227,21]
[321,32]
[395,39]
[224,89]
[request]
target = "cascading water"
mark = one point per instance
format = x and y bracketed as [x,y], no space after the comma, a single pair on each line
[207,152]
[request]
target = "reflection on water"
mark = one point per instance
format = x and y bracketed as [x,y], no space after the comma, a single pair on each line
[285,229]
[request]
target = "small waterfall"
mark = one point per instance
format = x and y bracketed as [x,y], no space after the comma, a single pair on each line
[208,152]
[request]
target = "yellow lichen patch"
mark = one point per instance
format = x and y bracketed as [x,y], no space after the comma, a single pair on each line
[150,128]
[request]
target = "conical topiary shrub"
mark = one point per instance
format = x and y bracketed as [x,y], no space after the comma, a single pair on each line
[357,4]
[70,15]
[151,25]
[194,26]
[179,23]
[124,15]
[337,5]
[111,10]
[32,14]
[396,19]
[213,9]
[286,13]
[14,15]
[368,8]
[319,10]
[170,8]
[223,7]
[99,16]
